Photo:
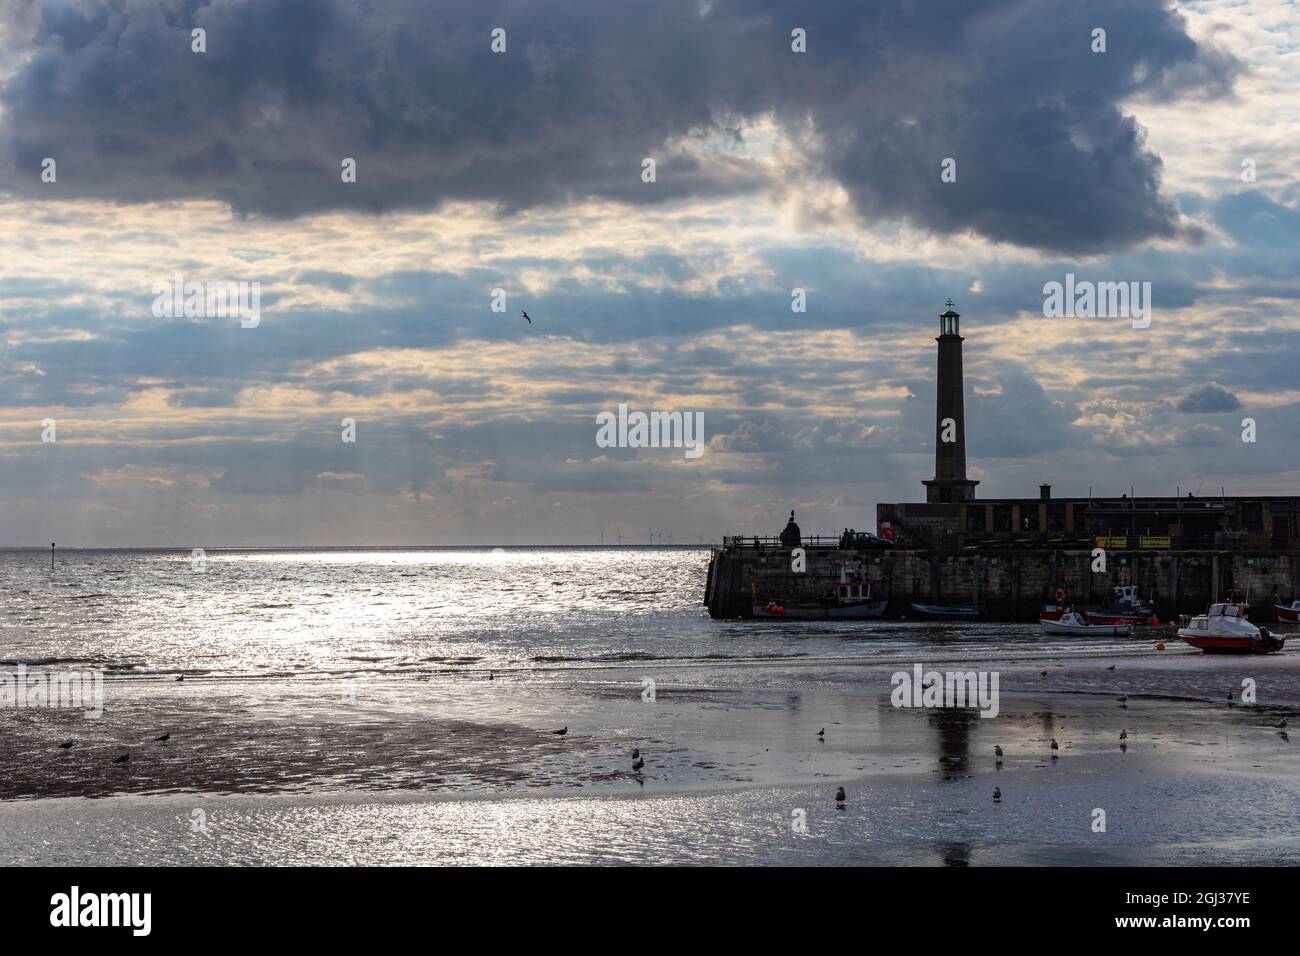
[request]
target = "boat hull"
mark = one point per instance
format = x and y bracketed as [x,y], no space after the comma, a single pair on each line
[857,611]
[1288,614]
[1132,620]
[1084,630]
[936,612]
[1223,644]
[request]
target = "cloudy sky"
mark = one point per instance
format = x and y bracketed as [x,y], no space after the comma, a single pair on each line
[523,170]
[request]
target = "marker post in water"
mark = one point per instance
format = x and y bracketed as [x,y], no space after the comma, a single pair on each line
[51,555]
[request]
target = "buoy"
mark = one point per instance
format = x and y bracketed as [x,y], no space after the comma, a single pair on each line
[1160,646]
[1060,595]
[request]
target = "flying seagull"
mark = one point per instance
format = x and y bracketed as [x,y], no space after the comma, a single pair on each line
[525,315]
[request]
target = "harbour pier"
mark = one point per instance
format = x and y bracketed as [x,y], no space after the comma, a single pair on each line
[1011,556]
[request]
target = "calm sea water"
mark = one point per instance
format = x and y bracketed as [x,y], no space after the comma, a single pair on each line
[335,611]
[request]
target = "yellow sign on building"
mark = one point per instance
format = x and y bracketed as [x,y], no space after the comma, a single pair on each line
[1103,542]
[1156,541]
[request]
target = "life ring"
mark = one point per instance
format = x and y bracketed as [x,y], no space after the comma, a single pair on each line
[1060,595]
[887,534]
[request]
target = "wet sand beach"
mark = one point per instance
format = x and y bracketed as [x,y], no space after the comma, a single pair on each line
[459,768]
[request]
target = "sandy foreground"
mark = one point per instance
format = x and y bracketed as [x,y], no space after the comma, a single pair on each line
[460,769]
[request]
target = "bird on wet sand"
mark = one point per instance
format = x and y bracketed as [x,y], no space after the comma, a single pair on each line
[525,315]
[1123,698]
[122,759]
[638,763]
[822,732]
[997,753]
[66,745]
[1043,673]
[1123,734]
[1111,668]
[1281,725]
[1055,748]
[180,678]
[562,731]
[840,798]
[997,794]
[163,739]
[492,675]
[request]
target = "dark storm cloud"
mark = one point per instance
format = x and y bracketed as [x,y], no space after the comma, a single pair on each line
[287,89]
[1209,398]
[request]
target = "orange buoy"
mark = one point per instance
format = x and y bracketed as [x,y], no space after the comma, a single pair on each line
[1160,646]
[1060,595]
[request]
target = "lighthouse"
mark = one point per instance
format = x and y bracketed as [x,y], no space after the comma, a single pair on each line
[949,484]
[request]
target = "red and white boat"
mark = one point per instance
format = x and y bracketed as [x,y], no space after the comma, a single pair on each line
[1289,613]
[1225,630]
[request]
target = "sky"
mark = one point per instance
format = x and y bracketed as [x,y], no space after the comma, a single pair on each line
[1170,158]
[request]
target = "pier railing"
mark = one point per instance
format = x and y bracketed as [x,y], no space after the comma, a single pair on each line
[922,539]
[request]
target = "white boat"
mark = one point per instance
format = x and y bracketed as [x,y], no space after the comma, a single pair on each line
[1224,629]
[1072,623]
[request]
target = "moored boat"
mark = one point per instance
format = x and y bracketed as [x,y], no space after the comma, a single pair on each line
[852,602]
[1289,613]
[1224,630]
[945,612]
[1074,623]
[1126,607]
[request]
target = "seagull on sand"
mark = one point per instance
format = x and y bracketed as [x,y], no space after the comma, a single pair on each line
[997,752]
[562,731]
[1111,668]
[525,315]
[163,739]
[840,797]
[638,763]
[180,678]
[66,745]
[122,759]
[1123,734]
[997,794]
[1055,748]
[1043,673]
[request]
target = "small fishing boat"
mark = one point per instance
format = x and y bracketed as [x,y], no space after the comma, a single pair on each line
[1126,607]
[852,602]
[1074,623]
[1289,613]
[945,612]
[1225,630]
